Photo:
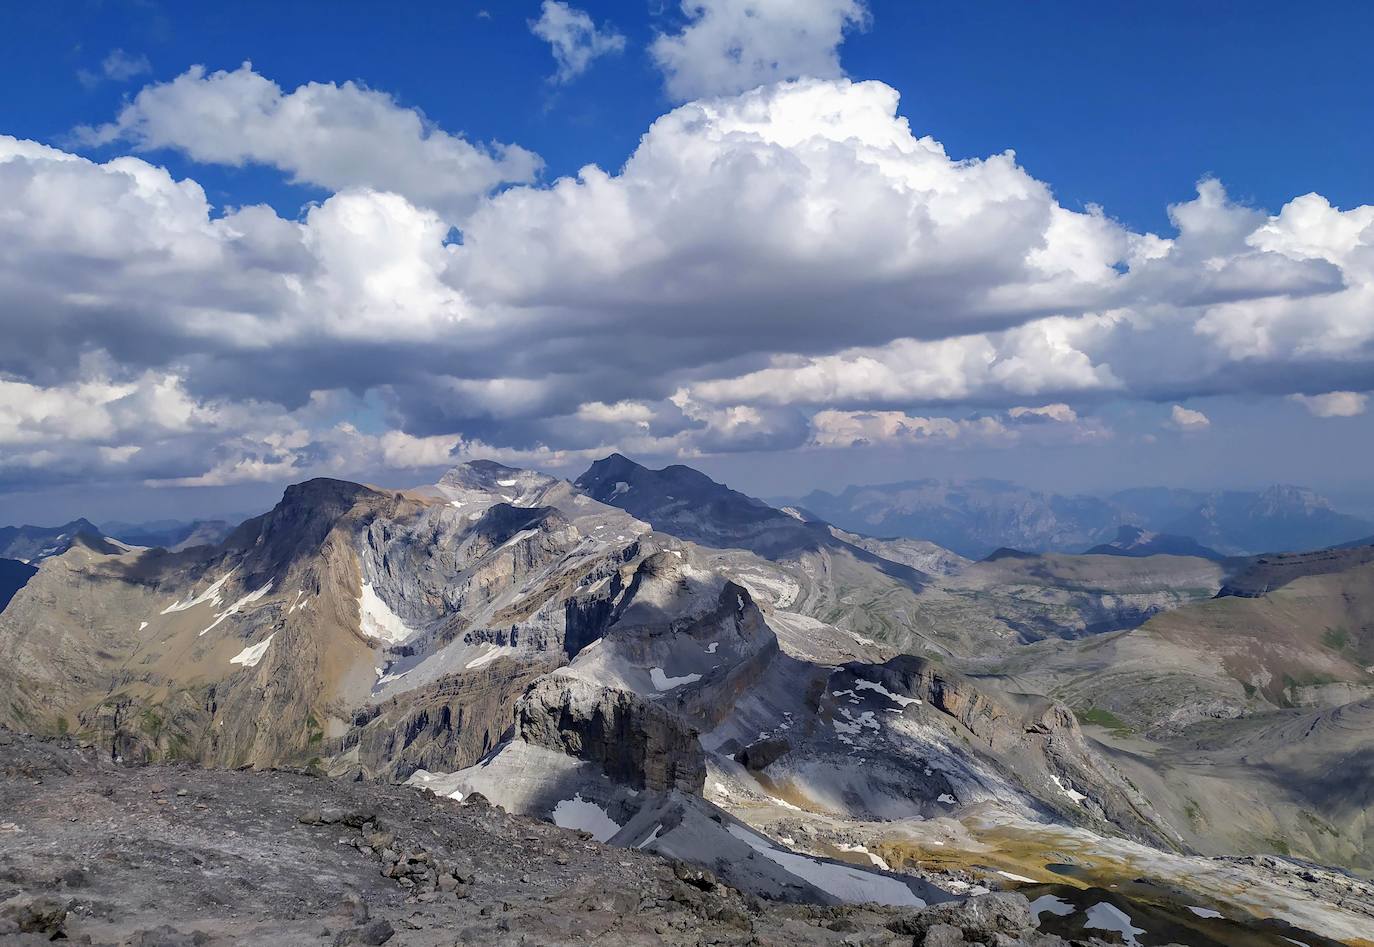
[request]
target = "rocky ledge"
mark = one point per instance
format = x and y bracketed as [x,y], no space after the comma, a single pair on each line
[169,855]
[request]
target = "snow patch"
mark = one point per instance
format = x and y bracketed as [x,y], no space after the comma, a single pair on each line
[850,884]
[576,813]
[1069,791]
[142,625]
[385,678]
[711,648]
[377,620]
[1013,877]
[234,609]
[878,861]
[423,777]
[250,656]
[853,726]
[947,799]
[209,595]
[663,682]
[486,657]
[518,537]
[1204,912]
[895,698]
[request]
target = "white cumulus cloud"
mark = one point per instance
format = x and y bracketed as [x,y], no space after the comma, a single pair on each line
[1186,419]
[333,136]
[574,38]
[789,266]
[728,46]
[1334,404]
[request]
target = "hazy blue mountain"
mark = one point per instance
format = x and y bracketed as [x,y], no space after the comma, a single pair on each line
[33,543]
[1134,541]
[170,534]
[14,575]
[1277,519]
[975,517]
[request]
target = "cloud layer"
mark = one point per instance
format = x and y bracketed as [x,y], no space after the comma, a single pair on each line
[786,268]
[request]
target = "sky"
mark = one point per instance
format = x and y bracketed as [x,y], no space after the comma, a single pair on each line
[794,243]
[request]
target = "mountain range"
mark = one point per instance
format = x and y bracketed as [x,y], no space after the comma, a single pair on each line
[175,535]
[809,712]
[975,517]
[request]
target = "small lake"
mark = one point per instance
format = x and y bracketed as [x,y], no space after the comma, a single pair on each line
[1146,914]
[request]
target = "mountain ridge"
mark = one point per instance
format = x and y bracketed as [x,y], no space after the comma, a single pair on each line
[680,661]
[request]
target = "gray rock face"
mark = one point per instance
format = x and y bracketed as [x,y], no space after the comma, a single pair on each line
[1037,740]
[632,739]
[445,726]
[982,918]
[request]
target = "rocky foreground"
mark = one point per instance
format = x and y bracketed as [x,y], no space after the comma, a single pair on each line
[169,855]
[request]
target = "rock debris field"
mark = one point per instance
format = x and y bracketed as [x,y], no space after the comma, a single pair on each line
[166,855]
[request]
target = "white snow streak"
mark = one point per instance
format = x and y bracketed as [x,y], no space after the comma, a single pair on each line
[250,656]
[486,658]
[1069,791]
[209,595]
[248,599]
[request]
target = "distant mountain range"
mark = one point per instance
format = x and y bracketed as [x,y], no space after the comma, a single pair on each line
[35,543]
[976,517]
[14,575]
[1137,542]
[171,534]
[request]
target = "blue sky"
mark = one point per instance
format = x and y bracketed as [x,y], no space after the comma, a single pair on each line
[742,296]
[1123,105]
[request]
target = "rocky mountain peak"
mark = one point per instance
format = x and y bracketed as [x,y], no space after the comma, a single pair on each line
[615,464]
[298,524]
[1287,498]
[480,482]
